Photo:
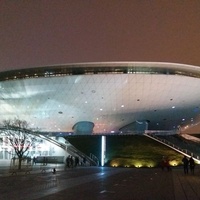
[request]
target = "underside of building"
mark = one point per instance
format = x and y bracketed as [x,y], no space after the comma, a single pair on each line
[103,98]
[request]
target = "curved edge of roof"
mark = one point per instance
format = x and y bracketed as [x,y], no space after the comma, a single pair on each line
[102,67]
[125,64]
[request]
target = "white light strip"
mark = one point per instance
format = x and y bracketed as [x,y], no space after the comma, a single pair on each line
[103,150]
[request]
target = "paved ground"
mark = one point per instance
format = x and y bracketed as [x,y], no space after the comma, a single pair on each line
[95,183]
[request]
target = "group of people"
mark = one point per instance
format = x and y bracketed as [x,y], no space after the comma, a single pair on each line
[72,161]
[188,163]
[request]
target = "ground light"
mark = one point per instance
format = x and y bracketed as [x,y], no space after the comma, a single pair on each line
[173,163]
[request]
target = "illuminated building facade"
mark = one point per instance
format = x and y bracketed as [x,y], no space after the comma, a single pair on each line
[104,98]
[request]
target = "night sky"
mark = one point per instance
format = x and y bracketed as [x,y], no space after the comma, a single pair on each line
[47,32]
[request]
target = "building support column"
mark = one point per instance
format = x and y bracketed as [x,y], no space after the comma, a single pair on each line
[103,150]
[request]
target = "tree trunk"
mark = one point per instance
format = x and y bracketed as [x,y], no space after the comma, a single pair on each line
[20,163]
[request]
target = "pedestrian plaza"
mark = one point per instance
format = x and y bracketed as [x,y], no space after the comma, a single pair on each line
[100,183]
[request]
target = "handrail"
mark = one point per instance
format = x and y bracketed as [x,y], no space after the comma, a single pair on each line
[74,151]
[94,158]
[174,147]
[70,149]
[40,136]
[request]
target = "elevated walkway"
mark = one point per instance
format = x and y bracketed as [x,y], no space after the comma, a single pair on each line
[67,147]
[71,150]
[174,144]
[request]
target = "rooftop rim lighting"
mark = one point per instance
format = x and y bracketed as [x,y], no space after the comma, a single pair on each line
[102,68]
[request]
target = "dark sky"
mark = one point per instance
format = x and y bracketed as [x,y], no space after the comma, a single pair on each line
[46,32]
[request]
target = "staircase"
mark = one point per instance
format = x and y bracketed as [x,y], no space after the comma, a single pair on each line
[172,142]
[92,160]
[66,146]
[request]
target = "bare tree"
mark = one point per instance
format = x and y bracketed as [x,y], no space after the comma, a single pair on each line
[19,136]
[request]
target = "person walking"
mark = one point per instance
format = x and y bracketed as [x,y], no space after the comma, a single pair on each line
[185,164]
[34,160]
[192,164]
[167,164]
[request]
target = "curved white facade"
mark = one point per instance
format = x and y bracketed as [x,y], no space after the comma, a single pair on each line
[111,95]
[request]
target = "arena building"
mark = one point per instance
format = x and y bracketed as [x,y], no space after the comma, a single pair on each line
[104,97]
[100,98]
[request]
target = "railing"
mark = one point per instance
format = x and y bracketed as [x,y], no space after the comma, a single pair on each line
[92,159]
[63,146]
[174,147]
[75,152]
[95,159]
